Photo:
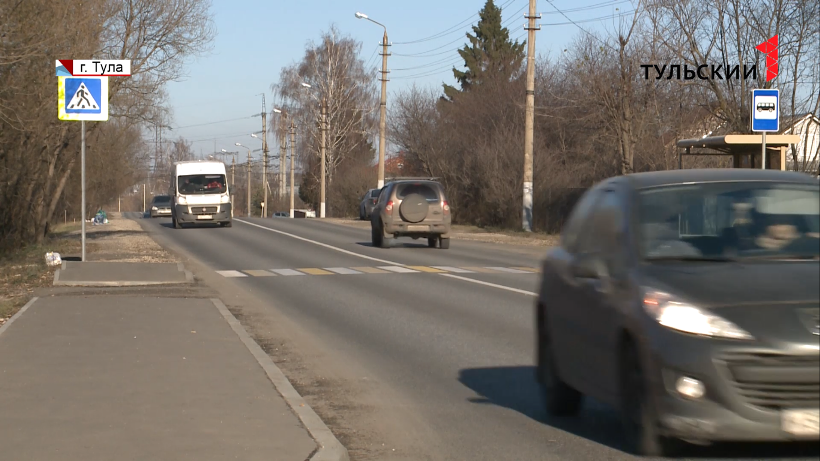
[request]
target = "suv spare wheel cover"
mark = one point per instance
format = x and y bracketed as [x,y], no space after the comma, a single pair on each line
[414,208]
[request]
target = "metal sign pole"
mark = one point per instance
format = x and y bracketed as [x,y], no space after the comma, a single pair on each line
[82,181]
[763,154]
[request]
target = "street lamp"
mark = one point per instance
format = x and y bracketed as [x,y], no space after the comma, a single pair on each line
[383,103]
[322,149]
[239,144]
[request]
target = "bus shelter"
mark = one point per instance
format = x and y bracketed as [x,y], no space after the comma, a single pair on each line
[745,149]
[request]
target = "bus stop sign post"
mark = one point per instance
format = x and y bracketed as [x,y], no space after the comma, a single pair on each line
[765,116]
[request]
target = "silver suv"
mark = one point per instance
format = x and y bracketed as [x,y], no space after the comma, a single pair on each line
[411,208]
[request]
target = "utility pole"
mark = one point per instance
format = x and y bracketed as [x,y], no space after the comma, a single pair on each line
[264,159]
[529,117]
[322,148]
[292,158]
[249,183]
[383,110]
[283,161]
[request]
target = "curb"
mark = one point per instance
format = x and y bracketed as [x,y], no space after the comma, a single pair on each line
[189,278]
[18,314]
[329,447]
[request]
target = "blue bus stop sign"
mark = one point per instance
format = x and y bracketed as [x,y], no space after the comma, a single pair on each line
[765,111]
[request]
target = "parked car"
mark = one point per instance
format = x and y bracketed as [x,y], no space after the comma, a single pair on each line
[281,214]
[161,206]
[690,300]
[411,208]
[368,202]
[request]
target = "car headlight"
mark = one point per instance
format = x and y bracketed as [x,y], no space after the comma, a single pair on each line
[682,316]
[153,208]
[181,200]
[225,199]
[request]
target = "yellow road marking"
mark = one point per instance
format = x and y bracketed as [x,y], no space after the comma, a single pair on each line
[426,269]
[528,269]
[369,270]
[481,269]
[259,273]
[313,271]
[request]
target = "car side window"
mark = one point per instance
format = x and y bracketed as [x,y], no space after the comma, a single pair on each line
[607,233]
[385,192]
[578,221]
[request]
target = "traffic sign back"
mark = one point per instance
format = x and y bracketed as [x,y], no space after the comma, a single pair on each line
[82,98]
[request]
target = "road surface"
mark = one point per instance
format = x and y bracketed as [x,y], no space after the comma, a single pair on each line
[433,364]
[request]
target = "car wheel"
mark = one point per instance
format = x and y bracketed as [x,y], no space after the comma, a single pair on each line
[560,399]
[432,241]
[177,224]
[640,422]
[444,244]
[376,236]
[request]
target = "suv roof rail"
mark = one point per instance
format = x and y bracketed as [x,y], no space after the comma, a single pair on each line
[410,178]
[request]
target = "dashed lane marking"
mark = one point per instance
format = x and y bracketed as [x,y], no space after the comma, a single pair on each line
[314,271]
[287,272]
[231,274]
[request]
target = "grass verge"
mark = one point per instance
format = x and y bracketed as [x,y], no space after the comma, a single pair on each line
[23,270]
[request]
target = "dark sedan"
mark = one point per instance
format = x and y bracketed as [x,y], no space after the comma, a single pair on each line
[161,206]
[689,299]
[368,202]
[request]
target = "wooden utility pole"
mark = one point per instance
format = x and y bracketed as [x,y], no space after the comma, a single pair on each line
[529,116]
[283,161]
[322,149]
[292,159]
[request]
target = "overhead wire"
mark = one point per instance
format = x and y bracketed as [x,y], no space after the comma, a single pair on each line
[449,30]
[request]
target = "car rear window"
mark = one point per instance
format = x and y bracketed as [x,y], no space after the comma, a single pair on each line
[427,191]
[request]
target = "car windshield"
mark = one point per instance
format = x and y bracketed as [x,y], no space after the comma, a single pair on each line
[714,221]
[424,190]
[202,184]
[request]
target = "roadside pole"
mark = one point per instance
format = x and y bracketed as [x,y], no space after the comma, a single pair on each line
[323,148]
[763,153]
[292,159]
[765,116]
[529,117]
[82,182]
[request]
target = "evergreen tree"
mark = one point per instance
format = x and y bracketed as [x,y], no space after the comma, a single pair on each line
[490,55]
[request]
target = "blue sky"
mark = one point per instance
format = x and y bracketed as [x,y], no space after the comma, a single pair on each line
[257,38]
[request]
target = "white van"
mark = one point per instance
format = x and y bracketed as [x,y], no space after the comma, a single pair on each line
[201,195]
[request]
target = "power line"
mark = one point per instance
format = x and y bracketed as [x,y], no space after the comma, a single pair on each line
[576,25]
[214,123]
[448,30]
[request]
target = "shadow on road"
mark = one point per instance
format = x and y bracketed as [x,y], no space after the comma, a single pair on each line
[516,388]
[398,244]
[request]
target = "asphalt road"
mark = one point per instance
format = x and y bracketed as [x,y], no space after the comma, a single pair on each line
[431,365]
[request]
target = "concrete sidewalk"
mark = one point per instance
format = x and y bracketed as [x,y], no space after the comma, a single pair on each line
[135,378]
[118,274]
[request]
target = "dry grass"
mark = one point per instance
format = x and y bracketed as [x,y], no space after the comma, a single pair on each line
[24,270]
[477,234]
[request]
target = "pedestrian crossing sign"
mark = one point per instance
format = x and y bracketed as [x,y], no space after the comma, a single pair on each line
[82,98]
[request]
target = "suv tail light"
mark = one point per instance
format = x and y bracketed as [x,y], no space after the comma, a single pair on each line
[445,207]
[389,207]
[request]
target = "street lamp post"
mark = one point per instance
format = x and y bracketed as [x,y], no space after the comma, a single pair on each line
[264,173]
[249,176]
[322,149]
[383,102]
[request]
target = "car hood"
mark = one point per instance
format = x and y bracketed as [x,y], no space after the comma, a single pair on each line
[729,284]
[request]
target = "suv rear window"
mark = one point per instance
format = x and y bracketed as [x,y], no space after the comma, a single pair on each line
[427,191]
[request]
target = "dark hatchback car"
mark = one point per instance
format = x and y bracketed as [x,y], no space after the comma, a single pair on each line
[368,203]
[689,300]
[161,206]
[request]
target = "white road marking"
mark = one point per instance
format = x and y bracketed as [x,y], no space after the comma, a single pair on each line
[287,272]
[509,270]
[320,243]
[481,282]
[331,247]
[341,270]
[231,274]
[398,269]
[457,270]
